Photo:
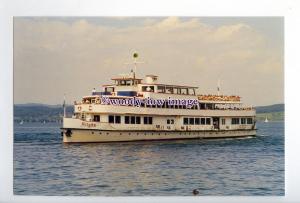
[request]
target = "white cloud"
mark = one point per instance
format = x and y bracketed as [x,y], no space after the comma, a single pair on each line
[75,57]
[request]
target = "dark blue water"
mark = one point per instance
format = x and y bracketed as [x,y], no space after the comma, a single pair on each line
[43,165]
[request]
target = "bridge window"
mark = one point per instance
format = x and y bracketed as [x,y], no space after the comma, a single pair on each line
[192,91]
[177,90]
[243,120]
[148,88]
[109,89]
[123,82]
[126,119]
[197,121]
[184,91]
[169,90]
[161,89]
[202,121]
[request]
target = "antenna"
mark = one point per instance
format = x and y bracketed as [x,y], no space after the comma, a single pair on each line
[135,62]
[64,105]
[218,87]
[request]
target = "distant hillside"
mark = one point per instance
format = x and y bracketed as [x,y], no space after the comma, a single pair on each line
[40,112]
[270,108]
[274,116]
[54,113]
[273,112]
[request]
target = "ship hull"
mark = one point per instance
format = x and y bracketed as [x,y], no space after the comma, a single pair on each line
[91,135]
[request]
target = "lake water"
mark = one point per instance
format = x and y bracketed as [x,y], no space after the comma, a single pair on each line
[43,165]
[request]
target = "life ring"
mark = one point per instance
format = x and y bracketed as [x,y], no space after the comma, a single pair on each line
[79,108]
[90,107]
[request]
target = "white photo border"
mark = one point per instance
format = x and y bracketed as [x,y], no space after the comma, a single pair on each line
[254,8]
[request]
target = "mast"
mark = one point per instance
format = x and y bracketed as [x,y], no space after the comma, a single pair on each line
[135,56]
[218,88]
[135,62]
[64,105]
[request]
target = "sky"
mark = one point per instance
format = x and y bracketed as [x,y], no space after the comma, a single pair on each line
[54,56]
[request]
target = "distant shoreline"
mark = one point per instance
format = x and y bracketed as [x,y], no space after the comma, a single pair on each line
[54,113]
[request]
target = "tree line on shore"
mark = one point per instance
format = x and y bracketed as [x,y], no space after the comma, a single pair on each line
[54,113]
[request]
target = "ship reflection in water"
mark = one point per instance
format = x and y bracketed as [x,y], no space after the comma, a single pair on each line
[43,165]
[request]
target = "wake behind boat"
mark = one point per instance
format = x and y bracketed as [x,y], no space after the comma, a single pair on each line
[133,109]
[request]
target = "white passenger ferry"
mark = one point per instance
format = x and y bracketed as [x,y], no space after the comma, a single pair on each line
[133,109]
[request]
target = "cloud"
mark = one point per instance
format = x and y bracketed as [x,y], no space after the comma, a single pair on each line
[52,56]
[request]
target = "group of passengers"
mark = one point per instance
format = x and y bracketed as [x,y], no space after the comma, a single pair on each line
[210,97]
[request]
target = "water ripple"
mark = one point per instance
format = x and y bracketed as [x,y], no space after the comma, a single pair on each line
[43,165]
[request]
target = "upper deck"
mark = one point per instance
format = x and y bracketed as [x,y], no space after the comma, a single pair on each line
[128,85]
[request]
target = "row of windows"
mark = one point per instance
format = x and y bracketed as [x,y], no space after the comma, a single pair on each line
[169,90]
[206,106]
[195,107]
[130,119]
[196,121]
[186,121]
[237,121]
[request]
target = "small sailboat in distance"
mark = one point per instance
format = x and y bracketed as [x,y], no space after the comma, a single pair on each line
[22,122]
[266,120]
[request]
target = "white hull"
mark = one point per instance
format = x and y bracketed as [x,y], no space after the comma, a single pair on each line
[90,135]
